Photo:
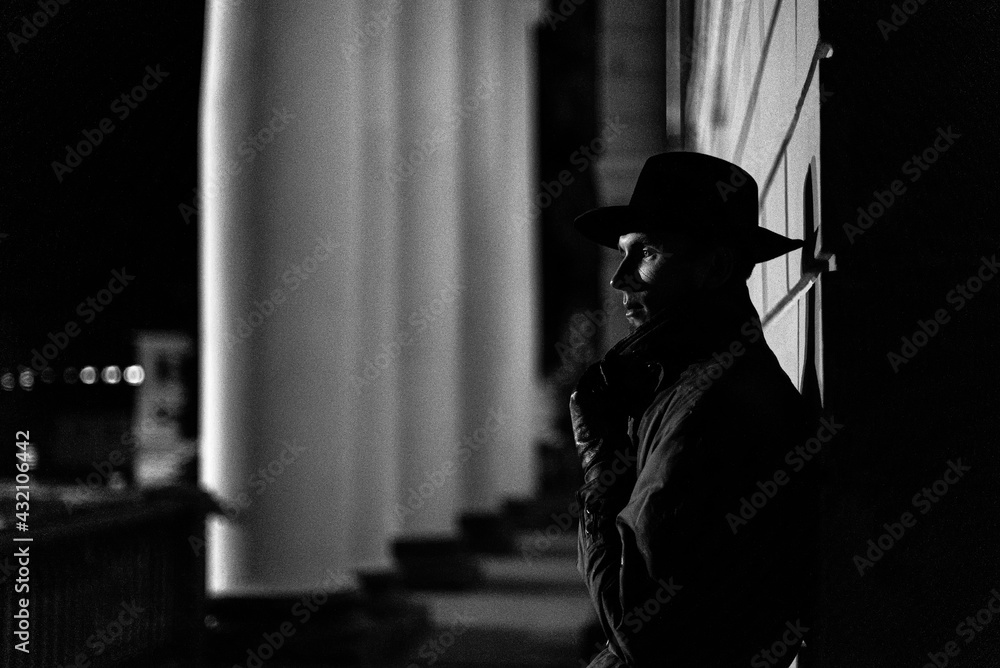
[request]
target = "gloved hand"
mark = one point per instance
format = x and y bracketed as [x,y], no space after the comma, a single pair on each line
[599,409]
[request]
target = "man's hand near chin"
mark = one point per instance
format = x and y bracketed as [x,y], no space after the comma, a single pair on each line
[600,421]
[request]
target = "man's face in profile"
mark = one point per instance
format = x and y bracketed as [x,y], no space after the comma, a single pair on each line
[657,272]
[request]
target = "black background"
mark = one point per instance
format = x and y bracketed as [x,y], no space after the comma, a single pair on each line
[886,99]
[119,208]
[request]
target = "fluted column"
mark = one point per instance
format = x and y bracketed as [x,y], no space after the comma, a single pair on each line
[370,304]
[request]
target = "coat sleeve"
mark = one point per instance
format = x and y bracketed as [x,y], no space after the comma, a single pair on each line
[631,588]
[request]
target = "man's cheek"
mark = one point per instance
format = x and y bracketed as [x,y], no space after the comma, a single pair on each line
[649,274]
[661,271]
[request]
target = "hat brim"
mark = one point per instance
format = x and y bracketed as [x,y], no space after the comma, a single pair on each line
[606,224]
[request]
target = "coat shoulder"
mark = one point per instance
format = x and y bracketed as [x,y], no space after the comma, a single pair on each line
[749,395]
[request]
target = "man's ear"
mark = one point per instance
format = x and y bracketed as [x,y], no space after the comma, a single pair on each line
[722,263]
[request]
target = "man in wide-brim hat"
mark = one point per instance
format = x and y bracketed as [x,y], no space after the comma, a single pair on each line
[696,524]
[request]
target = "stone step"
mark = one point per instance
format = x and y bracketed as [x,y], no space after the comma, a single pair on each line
[534,544]
[520,614]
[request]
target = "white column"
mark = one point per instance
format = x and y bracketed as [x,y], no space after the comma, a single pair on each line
[372,225]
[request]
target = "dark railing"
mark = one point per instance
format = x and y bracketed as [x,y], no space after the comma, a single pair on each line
[116,585]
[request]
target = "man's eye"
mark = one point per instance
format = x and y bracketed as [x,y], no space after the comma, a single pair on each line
[648,252]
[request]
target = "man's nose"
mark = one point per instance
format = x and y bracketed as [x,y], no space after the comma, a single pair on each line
[625,277]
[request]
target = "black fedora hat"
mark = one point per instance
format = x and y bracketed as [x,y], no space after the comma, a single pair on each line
[707,197]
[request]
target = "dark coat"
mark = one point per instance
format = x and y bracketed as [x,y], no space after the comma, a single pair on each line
[681,577]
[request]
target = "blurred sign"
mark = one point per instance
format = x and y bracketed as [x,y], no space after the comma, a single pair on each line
[166,451]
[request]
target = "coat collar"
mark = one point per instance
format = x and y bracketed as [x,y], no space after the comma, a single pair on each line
[676,339]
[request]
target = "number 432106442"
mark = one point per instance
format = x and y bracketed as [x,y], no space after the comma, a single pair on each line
[22,478]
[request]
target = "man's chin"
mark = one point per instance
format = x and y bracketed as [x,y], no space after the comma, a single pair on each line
[641,316]
[636,319]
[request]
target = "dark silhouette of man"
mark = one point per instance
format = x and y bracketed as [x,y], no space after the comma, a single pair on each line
[695,538]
